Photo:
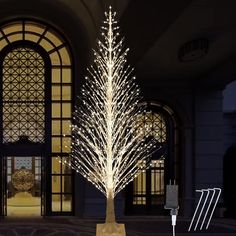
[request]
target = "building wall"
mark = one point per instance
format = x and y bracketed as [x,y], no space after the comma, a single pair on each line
[200,115]
[201,125]
[181,100]
[229,129]
[208,139]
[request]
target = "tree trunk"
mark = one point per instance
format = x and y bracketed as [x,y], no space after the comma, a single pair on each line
[110,211]
[110,228]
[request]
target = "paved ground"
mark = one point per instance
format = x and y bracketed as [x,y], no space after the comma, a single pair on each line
[134,227]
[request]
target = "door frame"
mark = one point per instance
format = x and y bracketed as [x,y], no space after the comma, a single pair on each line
[22,148]
[171,149]
[25,147]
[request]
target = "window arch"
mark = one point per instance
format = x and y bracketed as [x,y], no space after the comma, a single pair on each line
[146,195]
[25,44]
[23,99]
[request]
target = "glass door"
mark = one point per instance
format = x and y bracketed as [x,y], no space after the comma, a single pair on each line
[23,190]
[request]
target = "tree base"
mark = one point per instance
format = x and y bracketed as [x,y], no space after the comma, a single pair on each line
[110,229]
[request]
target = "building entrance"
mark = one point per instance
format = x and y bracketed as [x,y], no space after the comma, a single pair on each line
[36,113]
[23,189]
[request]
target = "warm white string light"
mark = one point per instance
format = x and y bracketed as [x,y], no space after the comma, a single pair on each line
[106,148]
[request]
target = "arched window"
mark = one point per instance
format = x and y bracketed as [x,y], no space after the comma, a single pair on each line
[36,100]
[23,94]
[146,194]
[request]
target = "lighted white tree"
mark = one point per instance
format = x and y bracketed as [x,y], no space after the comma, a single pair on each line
[107,149]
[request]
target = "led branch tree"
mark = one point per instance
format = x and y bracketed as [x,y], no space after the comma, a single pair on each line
[107,149]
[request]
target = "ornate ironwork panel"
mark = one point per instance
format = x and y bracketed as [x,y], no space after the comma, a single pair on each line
[23,95]
[152,124]
[37,103]
[151,184]
[146,195]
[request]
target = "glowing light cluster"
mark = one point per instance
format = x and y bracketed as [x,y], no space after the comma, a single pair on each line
[106,148]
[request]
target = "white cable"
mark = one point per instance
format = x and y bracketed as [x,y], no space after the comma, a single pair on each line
[173,219]
[173,230]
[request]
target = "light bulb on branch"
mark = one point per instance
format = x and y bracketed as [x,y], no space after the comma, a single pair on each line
[107,147]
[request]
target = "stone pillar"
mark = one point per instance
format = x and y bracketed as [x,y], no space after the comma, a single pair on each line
[189,172]
[208,139]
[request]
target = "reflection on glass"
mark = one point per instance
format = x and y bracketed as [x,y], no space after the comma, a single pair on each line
[56,202]
[56,75]
[61,185]
[56,92]
[66,147]
[65,168]
[139,186]
[66,129]
[157,177]
[56,127]
[66,75]
[66,184]
[66,203]
[56,183]
[56,144]
[139,200]
[56,165]
[66,110]
[56,110]
[66,93]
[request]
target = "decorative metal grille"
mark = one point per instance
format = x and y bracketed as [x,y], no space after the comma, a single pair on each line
[23,110]
[157,181]
[151,185]
[23,95]
[23,162]
[152,124]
